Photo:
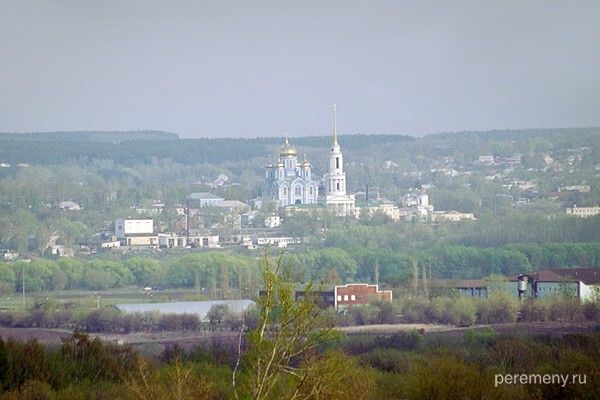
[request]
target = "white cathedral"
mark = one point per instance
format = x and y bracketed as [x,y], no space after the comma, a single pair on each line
[291,183]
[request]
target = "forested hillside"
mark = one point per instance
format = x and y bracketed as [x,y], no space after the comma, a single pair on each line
[518,197]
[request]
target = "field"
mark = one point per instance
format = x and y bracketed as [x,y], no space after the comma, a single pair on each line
[189,338]
[93,299]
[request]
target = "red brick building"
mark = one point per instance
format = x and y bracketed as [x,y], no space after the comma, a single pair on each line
[358,294]
[343,296]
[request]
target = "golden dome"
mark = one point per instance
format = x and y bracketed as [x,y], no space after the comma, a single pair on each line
[287,150]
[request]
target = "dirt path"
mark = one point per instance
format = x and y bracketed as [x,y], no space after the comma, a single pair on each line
[140,338]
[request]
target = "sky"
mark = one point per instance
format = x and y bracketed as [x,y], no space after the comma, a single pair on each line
[241,68]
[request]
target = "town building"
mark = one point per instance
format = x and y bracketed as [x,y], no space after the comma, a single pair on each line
[452,216]
[199,308]
[359,294]
[250,218]
[135,232]
[580,283]
[583,212]
[272,221]
[193,238]
[342,297]
[370,209]
[68,206]
[203,199]
[416,205]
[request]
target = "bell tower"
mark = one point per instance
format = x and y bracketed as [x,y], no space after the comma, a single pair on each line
[336,199]
[336,177]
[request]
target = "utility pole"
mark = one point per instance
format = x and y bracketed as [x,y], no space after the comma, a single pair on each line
[23,284]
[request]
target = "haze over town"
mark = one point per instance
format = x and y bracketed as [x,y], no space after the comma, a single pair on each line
[247,69]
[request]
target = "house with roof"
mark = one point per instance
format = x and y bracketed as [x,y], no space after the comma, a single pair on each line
[68,206]
[466,287]
[203,199]
[582,283]
[583,212]
[342,297]
[199,308]
[370,209]
[452,216]
[136,232]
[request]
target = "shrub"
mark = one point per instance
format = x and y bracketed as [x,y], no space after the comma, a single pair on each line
[534,310]
[390,360]
[512,354]
[591,311]
[400,340]
[439,312]
[360,315]
[444,376]
[384,313]
[485,337]
[500,308]
[463,311]
[565,309]
[416,309]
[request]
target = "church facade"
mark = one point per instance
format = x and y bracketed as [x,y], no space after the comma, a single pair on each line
[288,181]
[291,183]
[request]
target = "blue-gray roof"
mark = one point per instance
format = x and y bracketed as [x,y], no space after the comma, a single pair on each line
[203,195]
[200,308]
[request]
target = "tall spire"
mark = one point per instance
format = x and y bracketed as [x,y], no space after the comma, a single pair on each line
[335,142]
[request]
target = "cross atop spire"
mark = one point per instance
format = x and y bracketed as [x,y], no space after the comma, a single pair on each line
[335,141]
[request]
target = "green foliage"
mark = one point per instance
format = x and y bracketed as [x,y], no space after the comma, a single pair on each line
[368,366]
[288,328]
[89,360]
[500,308]
[21,362]
[463,311]
[146,271]
[7,279]
[107,178]
[446,376]
[201,268]
[485,337]
[217,313]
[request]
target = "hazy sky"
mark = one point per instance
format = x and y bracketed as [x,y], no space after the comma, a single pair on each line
[263,68]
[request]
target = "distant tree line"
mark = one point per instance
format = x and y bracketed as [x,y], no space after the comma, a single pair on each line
[222,275]
[206,271]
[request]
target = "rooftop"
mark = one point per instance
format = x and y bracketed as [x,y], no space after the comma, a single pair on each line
[199,308]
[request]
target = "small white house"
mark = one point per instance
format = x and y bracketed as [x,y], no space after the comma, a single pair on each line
[272,221]
[68,206]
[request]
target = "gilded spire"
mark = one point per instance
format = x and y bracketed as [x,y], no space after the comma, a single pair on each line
[335,142]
